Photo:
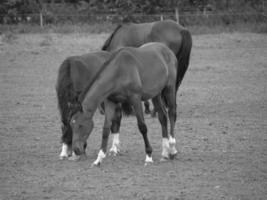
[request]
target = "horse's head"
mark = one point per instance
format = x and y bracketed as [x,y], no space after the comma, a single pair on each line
[82,126]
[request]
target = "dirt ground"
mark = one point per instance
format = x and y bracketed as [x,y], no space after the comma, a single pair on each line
[221,129]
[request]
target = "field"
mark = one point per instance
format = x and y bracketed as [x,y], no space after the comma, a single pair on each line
[221,130]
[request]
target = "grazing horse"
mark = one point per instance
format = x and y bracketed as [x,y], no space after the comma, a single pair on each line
[175,36]
[73,75]
[130,76]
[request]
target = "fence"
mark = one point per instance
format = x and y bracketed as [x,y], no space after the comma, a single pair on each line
[187,19]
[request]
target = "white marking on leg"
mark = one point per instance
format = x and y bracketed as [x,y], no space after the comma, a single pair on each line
[64,152]
[115,148]
[172,143]
[148,160]
[165,148]
[101,155]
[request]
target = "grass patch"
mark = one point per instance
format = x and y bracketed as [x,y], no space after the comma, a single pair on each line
[47,40]
[9,37]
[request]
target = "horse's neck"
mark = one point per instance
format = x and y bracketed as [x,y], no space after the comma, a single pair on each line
[101,89]
[126,36]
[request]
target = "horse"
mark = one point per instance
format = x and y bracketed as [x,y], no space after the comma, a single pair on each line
[175,36]
[130,76]
[73,75]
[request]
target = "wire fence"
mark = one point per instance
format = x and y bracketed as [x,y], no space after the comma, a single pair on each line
[201,18]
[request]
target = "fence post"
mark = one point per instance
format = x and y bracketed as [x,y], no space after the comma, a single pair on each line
[161,17]
[41,19]
[205,12]
[177,15]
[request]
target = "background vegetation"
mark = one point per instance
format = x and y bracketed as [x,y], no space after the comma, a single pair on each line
[103,15]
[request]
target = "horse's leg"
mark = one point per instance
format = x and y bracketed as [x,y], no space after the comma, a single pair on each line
[170,95]
[109,115]
[66,142]
[147,110]
[154,113]
[162,116]
[137,104]
[115,128]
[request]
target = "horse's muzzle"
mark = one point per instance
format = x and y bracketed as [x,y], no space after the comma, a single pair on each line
[80,150]
[77,151]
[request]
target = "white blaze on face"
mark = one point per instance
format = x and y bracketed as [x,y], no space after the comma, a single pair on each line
[100,157]
[172,143]
[64,151]
[165,147]
[115,148]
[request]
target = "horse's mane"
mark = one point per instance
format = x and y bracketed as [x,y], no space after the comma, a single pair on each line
[108,41]
[103,67]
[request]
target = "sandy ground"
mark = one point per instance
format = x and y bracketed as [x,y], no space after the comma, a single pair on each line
[221,130]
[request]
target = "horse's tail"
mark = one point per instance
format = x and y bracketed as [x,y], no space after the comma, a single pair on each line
[108,41]
[183,56]
[63,87]
[67,98]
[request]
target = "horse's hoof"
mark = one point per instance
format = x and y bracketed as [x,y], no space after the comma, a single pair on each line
[164,159]
[93,165]
[148,160]
[114,151]
[63,157]
[173,156]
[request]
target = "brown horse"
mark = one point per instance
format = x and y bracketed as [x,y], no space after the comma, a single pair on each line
[130,76]
[175,36]
[73,76]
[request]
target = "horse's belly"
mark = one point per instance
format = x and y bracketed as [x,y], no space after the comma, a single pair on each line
[117,97]
[153,88]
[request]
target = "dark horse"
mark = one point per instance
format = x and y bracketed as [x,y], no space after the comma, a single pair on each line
[130,76]
[73,75]
[175,36]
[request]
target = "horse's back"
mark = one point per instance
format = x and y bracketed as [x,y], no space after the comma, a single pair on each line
[84,67]
[149,66]
[163,56]
[133,35]
[168,32]
[92,60]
